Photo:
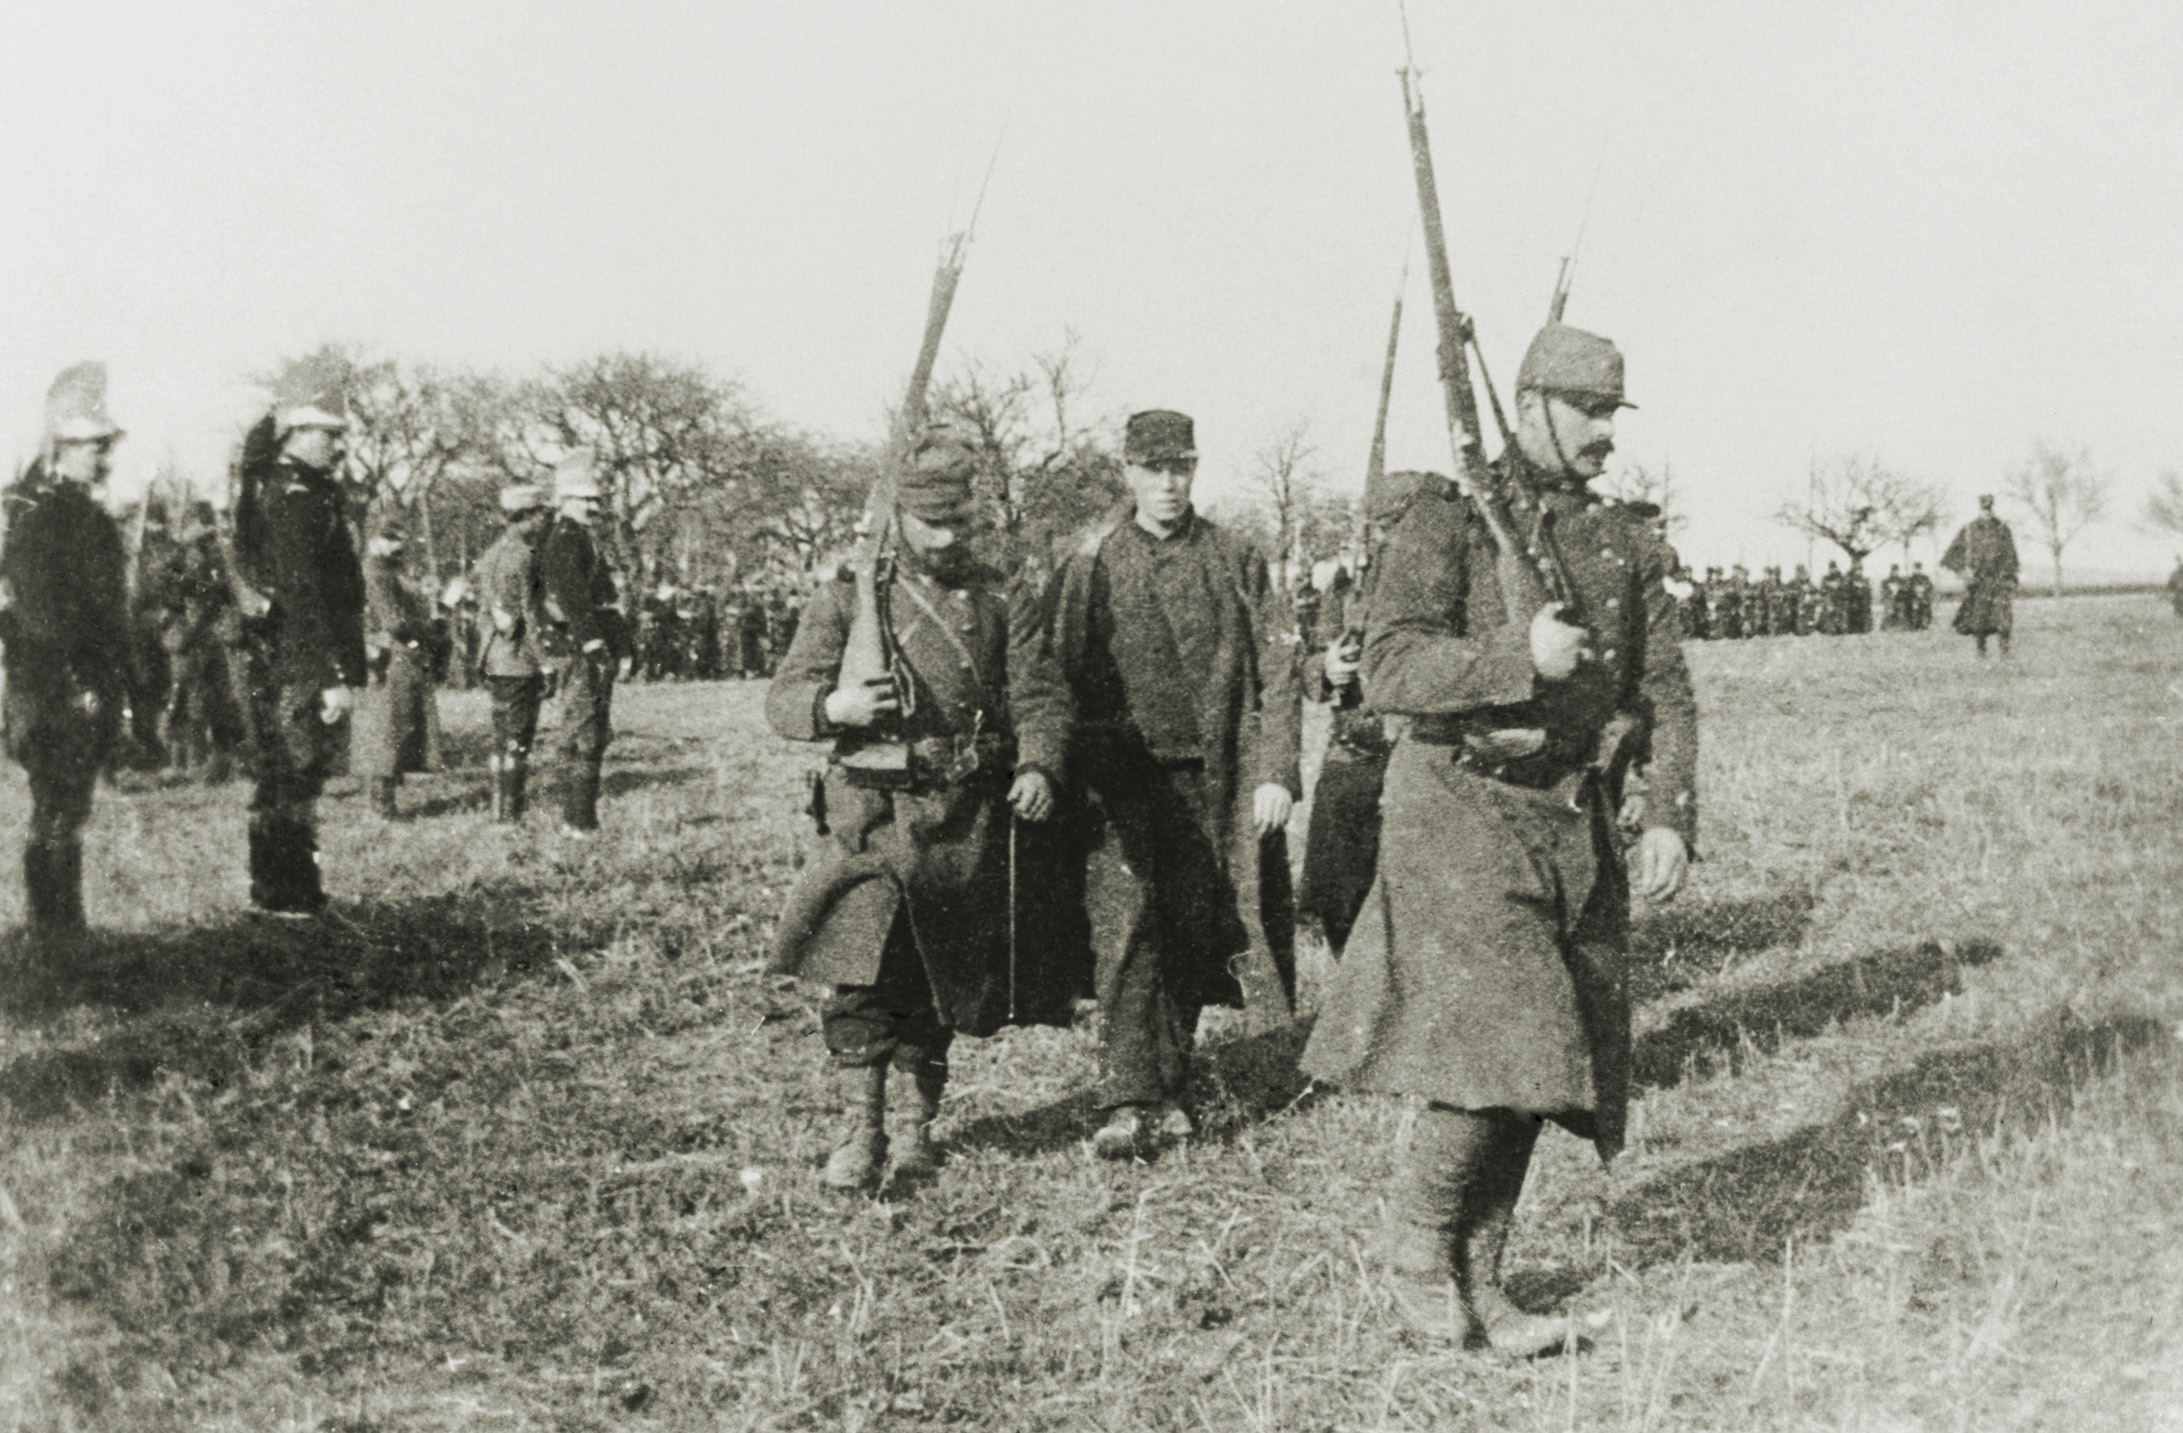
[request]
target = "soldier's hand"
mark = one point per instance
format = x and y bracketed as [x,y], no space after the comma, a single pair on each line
[863,704]
[1270,808]
[1342,655]
[1555,644]
[334,704]
[1662,863]
[1032,796]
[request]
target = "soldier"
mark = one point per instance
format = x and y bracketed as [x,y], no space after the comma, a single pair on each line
[581,599]
[1182,662]
[1920,597]
[1894,608]
[203,723]
[1803,606]
[1857,595]
[1697,609]
[295,553]
[514,658]
[1487,976]
[1983,554]
[906,912]
[1833,606]
[396,727]
[2175,587]
[1766,596]
[64,620]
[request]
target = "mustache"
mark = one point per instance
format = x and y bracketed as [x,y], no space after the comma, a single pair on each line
[1600,449]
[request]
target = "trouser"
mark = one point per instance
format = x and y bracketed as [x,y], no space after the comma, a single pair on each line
[587,698]
[295,753]
[515,725]
[1458,1176]
[892,1021]
[1341,847]
[60,806]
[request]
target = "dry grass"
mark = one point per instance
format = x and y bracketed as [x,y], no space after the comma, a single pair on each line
[534,1144]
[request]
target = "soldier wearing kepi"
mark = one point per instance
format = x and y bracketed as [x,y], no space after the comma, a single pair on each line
[906,911]
[1983,554]
[397,724]
[65,624]
[514,660]
[1486,976]
[1183,668]
[293,549]
[582,600]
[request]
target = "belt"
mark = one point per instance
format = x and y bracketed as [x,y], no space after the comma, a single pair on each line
[1515,756]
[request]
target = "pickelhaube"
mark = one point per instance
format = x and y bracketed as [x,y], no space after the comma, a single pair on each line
[576,475]
[75,406]
[312,393]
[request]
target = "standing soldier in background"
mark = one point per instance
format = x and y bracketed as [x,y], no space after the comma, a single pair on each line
[203,724]
[514,659]
[906,911]
[1486,977]
[1833,604]
[1182,662]
[1894,606]
[1920,597]
[64,620]
[2175,587]
[581,599]
[293,547]
[751,637]
[1983,554]
[1857,592]
[396,729]
[1803,606]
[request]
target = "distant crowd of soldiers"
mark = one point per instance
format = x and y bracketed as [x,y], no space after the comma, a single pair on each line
[698,634]
[1838,604]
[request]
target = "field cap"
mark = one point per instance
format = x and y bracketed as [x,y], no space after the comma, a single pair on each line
[75,407]
[935,484]
[1158,435]
[521,498]
[576,476]
[311,395]
[1562,359]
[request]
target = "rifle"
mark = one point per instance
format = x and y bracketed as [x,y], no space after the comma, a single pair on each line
[877,756]
[1375,477]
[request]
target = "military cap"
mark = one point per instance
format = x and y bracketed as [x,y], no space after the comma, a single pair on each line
[935,485]
[1562,359]
[576,476]
[1985,500]
[1158,435]
[75,407]
[312,393]
[517,498]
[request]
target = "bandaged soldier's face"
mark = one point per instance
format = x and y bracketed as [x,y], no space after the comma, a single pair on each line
[1162,489]
[84,460]
[1567,433]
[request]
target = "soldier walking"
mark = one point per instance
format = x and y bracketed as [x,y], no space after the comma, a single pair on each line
[1983,554]
[294,550]
[396,726]
[65,622]
[907,910]
[581,599]
[1486,977]
[1183,667]
[510,595]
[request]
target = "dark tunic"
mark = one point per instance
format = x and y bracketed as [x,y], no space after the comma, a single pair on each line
[1183,667]
[939,852]
[1487,968]
[1983,554]
[583,602]
[396,725]
[298,551]
[66,628]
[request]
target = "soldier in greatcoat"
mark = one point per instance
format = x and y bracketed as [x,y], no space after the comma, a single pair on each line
[907,910]
[1983,554]
[396,728]
[295,553]
[1486,976]
[202,727]
[583,601]
[1184,670]
[514,659]
[64,621]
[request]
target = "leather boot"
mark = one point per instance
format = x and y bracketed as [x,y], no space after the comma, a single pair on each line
[1491,1213]
[382,797]
[857,1161]
[50,906]
[496,792]
[1435,1165]
[284,878]
[916,1153]
[580,798]
[514,770]
[65,869]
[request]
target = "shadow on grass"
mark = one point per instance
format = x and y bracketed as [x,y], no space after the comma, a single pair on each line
[1675,947]
[1712,1030]
[621,781]
[1745,1204]
[209,995]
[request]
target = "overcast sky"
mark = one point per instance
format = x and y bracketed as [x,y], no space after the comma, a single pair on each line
[1927,231]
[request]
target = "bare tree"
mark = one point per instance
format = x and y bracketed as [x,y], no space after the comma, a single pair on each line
[1636,482]
[1860,505]
[1282,480]
[2164,504]
[2062,490]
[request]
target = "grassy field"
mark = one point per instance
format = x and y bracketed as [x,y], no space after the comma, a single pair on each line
[531,1142]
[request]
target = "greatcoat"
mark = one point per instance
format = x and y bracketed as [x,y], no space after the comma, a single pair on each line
[510,608]
[1486,970]
[1983,554]
[396,727]
[983,685]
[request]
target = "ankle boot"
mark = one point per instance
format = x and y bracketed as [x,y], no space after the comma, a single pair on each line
[1490,1215]
[856,1162]
[382,797]
[65,869]
[1435,1164]
[514,771]
[916,1153]
[580,797]
[45,904]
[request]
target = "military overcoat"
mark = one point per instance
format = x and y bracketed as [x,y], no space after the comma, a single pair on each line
[64,622]
[983,683]
[396,726]
[1486,970]
[510,609]
[1983,554]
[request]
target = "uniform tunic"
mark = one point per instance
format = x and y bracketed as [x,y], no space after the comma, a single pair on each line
[1183,667]
[1487,968]
[1983,554]
[580,596]
[936,856]
[66,629]
[397,724]
[512,660]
